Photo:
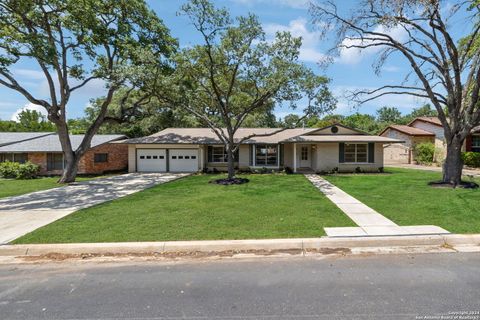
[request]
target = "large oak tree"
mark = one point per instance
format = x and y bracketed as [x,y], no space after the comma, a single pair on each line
[444,66]
[121,43]
[236,72]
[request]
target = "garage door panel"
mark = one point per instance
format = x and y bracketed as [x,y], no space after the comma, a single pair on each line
[183,160]
[151,160]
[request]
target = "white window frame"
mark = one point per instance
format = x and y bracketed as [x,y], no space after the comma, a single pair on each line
[356,153]
[255,164]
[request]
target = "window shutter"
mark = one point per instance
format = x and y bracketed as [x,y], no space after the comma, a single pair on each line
[468,143]
[250,160]
[209,154]
[341,152]
[371,152]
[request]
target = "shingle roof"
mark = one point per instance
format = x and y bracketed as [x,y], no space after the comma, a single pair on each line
[411,131]
[13,137]
[207,136]
[476,129]
[343,138]
[433,120]
[51,143]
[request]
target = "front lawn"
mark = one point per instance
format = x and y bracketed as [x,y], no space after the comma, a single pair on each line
[403,196]
[269,206]
[12,187]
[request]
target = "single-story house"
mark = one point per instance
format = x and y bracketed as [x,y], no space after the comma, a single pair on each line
[44,149]
[335,147]
[420,130]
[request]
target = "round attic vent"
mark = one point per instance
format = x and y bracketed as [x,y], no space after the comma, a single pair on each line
[334,129]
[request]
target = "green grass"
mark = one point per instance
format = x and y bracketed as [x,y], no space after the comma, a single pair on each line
[269,206]
[403,196]
[11,187]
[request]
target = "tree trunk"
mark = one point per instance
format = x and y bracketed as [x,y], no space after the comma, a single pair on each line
[453,165]
[70,171]
[231,162]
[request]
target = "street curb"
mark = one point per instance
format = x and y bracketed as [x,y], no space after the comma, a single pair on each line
[210,246]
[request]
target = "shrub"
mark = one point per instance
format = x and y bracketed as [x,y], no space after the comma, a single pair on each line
[471,159]
[15,170]
[27,170]
[424,153]
[8,170]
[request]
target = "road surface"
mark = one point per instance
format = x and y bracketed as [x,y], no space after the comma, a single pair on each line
[423,286]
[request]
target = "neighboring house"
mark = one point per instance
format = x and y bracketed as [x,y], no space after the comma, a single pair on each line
[335,147]
[44,149]
[420,130]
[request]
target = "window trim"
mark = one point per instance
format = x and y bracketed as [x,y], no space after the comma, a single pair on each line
[474,147]
[55,153]
[225,155]
[100,154]
[356,153]
[277,160]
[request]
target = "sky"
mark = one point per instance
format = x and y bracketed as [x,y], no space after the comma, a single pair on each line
[351,70]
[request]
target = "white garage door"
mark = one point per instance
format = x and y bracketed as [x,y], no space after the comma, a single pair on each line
[183,160]
[151,160]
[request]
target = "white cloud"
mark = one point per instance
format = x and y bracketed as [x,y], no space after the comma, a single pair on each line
[309,51]
[29,106]
[296,4]
[356,55]
[29,74]
[391,68]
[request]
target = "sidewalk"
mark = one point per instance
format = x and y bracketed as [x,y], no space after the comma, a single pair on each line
[369,221]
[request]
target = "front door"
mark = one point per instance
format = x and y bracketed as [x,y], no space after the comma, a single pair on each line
[305,161]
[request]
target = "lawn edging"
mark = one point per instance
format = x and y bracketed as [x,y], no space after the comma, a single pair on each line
[219,246]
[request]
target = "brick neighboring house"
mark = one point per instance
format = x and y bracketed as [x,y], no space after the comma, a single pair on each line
[419,130]
[44,149]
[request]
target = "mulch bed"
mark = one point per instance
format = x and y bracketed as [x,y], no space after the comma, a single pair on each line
[462,185]
[228,182]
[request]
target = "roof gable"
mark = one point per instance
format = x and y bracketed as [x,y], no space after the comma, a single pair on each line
[336,129]
[411,131]
[432,120]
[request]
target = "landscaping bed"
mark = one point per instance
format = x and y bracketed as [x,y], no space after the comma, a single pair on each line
[269,206]
[405,197]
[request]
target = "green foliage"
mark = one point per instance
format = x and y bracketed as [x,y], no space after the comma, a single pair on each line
[389,115]
[21,171]
[8,169]
[364,122]
[471,159]
[424,153]
[28,121]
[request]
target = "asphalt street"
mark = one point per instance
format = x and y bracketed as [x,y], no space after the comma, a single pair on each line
[425,286]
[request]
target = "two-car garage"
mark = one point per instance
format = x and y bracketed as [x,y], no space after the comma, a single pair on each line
[167,160]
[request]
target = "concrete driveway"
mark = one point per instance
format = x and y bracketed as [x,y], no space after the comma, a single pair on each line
[22,214]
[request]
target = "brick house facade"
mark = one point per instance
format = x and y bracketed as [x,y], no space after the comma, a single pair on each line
[104,156]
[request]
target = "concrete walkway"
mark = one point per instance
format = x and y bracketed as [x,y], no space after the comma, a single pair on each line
[370,222]
[466,172]
[20,215]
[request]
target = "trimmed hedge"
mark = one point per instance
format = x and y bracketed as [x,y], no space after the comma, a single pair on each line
[21,171]
[471,159]
[424,153]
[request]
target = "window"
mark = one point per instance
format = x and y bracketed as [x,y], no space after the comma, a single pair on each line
[100,157]
[54,161]
[304,155]
[356,153]
[219,154]
[476,143]
[266,155]
[14,157]
[142,157]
